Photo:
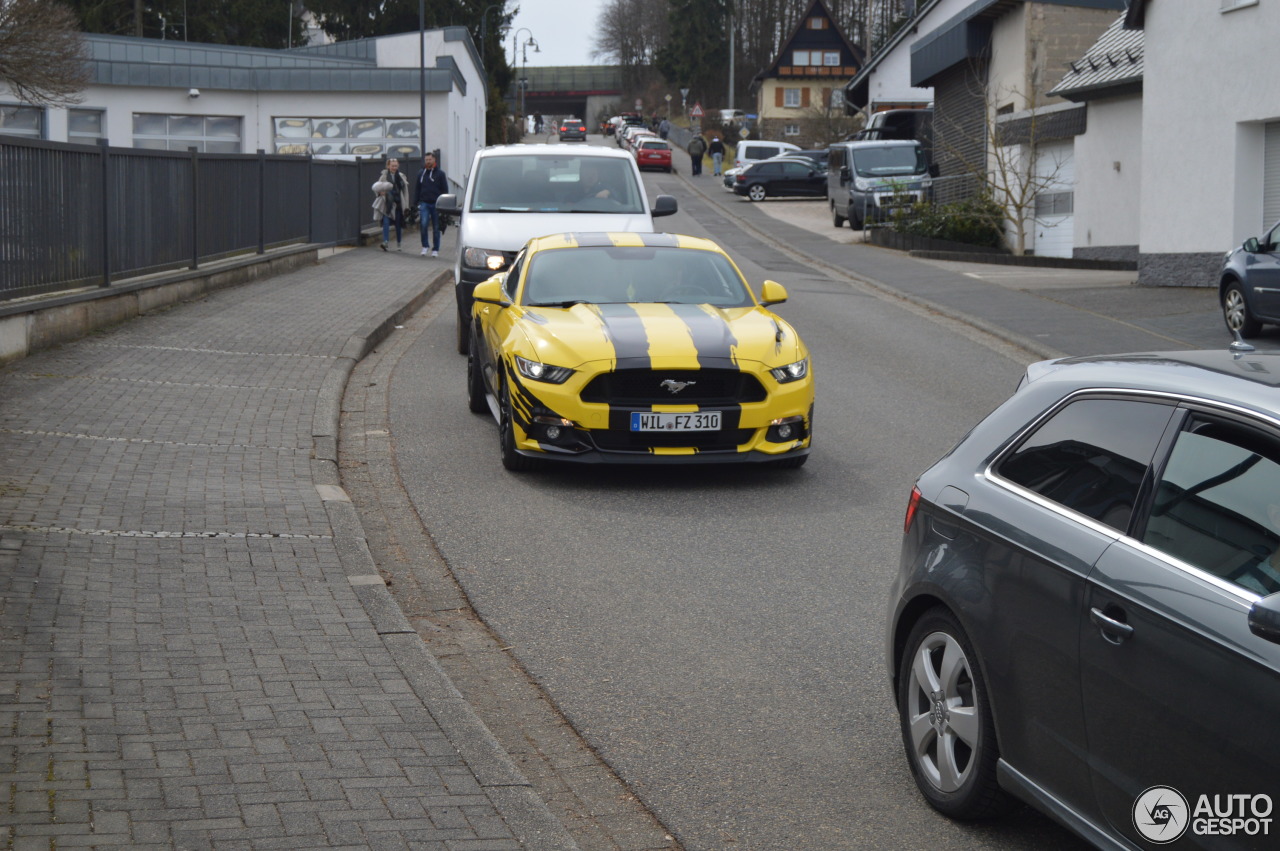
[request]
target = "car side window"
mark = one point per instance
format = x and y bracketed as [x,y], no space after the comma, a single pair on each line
[512,281]
[1091,456]
[1217,505]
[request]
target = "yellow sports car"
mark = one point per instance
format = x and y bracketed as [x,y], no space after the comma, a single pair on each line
[637,348]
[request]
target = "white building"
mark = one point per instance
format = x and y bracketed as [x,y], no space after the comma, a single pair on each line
[357,98]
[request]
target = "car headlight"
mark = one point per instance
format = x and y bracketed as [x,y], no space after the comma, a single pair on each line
[791,372]
[483,258]
[542,372]
[861,184]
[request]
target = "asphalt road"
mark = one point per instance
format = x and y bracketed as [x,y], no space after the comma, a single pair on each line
[716,634]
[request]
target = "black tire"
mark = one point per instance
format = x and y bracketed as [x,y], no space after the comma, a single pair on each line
[476,400]
[948,724]
[836,218]
[854,221]
[790,463]
[757,192]
[511,460]
[1236,312]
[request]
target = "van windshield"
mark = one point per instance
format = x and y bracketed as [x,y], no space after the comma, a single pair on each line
[890,161]
[541,183]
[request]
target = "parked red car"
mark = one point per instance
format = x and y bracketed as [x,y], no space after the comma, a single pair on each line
[653,153]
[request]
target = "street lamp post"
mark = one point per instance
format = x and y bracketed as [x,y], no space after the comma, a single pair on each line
[524,70]
[484,26]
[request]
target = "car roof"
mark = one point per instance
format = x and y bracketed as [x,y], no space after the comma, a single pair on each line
[621,239]
[1245,378]
[551,151]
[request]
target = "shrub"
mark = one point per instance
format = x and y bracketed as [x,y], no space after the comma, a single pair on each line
[973,221]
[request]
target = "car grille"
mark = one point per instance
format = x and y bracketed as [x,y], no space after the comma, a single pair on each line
[705,441]
[702,387]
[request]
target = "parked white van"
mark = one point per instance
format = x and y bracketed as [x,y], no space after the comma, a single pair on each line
[517,192]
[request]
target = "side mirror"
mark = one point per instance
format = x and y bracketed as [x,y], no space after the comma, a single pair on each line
[448,204]
[664,205]
[844,172]
[933,170]
[490,292]
[1264,618]
[1251,245]
[772,293]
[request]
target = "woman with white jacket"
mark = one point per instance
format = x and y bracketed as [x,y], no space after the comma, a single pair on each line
[392,190]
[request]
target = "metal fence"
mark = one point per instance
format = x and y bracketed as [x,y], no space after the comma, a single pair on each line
[79,215]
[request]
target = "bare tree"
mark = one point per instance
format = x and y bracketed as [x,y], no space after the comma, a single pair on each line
[43,59]
[630,32]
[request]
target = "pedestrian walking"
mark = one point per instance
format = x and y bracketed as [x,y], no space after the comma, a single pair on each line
[392,201]
[431,184]
[697,149]
[664,128]
[717,154]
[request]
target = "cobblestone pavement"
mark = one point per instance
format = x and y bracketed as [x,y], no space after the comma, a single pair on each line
[195,648]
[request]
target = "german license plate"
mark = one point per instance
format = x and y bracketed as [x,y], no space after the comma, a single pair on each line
[700,421]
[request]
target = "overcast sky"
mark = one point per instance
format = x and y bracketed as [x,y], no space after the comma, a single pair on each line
[564,29]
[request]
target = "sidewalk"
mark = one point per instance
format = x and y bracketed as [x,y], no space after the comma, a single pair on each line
[198,650]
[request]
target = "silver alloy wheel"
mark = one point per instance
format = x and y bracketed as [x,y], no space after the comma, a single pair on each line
[1234,309]
[756,193]
[944,718]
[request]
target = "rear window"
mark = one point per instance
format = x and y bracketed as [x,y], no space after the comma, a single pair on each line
[657,145]
[542,183]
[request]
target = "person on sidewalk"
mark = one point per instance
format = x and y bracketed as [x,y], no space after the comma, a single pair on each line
[717,154]
[430,186]
[394,201]
[664,129]
[697,149]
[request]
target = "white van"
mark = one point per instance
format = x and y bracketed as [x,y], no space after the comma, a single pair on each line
[517,192]
[749,151]
[867,181]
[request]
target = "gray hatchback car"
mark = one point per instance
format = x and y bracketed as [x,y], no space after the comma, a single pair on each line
[1086,614]
[1249,284]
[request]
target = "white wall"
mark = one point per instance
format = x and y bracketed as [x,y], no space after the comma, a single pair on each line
[1007,73]
[1108,191]
[1209,83]
[890,81]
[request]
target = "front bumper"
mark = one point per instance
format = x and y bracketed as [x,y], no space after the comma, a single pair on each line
[599,432]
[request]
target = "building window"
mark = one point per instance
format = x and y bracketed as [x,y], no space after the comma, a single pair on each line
[791,97]
[1055,204]
[831,58]
[791,130]
[800,57]
[25,121]
[86,126]
[362,137]
[213,134]
[817,23]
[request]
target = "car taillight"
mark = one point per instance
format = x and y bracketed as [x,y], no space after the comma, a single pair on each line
[742,178]
[562,129]
[912,505]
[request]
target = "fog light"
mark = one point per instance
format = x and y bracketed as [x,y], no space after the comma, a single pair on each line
[553,432]
[784,431]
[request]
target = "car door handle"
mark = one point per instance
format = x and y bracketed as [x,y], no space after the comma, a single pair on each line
[1112,630]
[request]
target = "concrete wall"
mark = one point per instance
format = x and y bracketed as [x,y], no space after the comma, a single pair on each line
[1108,195]
[1210,84]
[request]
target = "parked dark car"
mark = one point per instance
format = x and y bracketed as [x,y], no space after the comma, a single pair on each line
[781,177]
[1249,284]
[572,129]
[819,156]
[1086,614]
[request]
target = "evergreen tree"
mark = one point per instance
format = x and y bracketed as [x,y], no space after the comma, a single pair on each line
[697,52]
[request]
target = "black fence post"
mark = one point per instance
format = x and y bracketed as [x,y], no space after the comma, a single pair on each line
[262,201]
[195,208]
[106,217]
[311,199]
[359,196]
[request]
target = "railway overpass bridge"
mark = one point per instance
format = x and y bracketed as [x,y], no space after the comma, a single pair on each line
[581,91]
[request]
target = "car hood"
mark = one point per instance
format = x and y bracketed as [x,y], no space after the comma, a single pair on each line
[510,231]
[658,336]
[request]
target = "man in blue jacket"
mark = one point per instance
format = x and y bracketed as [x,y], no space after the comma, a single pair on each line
[430,186]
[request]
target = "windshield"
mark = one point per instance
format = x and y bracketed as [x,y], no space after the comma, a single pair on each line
[890,161]
[563,277]
[541,183]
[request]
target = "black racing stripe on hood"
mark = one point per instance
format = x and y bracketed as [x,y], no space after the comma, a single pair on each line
[625,329]
[711,335]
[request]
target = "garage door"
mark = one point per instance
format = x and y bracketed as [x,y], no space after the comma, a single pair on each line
[1271,176]
[1055,202]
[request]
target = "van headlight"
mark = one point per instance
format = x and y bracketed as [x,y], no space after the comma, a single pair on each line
[483,258]
[861,184]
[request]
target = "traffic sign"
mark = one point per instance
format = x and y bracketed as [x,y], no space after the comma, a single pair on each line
[696,112]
